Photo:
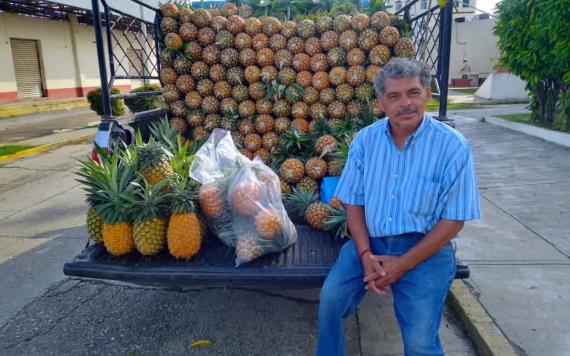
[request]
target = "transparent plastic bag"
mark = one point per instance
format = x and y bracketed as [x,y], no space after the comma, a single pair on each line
[260,221]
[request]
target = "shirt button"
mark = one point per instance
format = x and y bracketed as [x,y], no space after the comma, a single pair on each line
[392,196]
[389,219]
[396,175]
[398,153]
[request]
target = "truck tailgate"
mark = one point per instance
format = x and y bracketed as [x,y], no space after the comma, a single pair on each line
[303,265]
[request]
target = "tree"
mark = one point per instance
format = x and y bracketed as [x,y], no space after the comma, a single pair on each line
[534,41]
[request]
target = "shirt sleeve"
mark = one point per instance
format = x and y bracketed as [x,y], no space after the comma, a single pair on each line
[350,188]
[460,193]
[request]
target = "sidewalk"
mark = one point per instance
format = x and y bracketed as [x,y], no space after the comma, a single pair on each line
[519,253]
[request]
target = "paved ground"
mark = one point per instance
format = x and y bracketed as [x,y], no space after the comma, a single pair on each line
[519,252]
[36,125]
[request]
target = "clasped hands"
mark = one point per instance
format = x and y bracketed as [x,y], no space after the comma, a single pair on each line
[381,271]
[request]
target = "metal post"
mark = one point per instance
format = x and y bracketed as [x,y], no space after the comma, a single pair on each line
[445,45]
[101,58]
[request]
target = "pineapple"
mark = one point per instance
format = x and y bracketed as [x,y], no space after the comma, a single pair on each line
[94,223]
[292,170]
[300,110]
[240,93]
[155,162]
[325,145]
[151,211]
[230,122]
[235,24]
[252,142]
[167,58]
[355,75]
[246,127]
[277,42]
[185,83]
[313,46]
[317,111]
[245,11]
[193,100]
[379,55]
[246,153]
[268,223]
[270,25]
[242,41]
[265,57]
[371,72]
[173,41]
[211,122]
[247,247]
[337,75]
[281,124]
[205,87]
[360,22]
[320,80]
[252,74]
[283,58]
[188,32]
[263,154]
[211,201]
[206,36]
[323,24]
[281,108]
[364,92]
[270,141]
[246,109]
[285,188]
[316,168]
[222,90]
[235,76]
[247,57]
[201,18]
[200,70]
[228,106]
[260,41]
[219,23]
[296,45]
[354,109]
[379,20]
[355,57]
[348,40]
[342,23]
[263,107]
[319,63]
[168,75]
[305,204]
[268,74]
[211,55]
[405,48]
[169,9]
[252,26]
[344,93]
[327,96]
[389,36]
[301,62]
[264,124]
[289,29]
[336,110]
[229,57]
[300,125]
[195,118]
[329,40]
[185,15]
[182,65]
[170,93]
[199,133]
[179,124]
[336,57]
[368,39]
[246,196]
[306,29]
[217,72]
[287,76]
[229,9]
[304,79]
[309,184]
[210,105]
[311,94]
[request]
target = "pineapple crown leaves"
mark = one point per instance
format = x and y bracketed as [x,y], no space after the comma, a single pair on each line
[296,142]
[151,154]
[183,196]
[181,160]
[346,127]
[337,221]
[162,132]
[293,95]
[149,201]
[340,156]
[299,201]
[368,117]
[322,127]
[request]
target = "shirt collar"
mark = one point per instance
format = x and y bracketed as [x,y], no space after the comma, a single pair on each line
[423,125]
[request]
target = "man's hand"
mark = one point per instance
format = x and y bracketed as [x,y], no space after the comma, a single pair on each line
[372,267]
[392,267]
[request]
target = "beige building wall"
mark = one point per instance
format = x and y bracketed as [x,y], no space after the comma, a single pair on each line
[68,55]
[473,47]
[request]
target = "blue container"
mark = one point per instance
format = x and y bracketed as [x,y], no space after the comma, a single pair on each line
[328,187]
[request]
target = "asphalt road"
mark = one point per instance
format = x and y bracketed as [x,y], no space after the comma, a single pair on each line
[41,124]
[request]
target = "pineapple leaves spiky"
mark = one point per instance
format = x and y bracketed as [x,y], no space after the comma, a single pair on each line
[299,200]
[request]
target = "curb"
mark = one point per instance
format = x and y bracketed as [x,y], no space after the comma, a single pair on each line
[482,330]
[47,147]
[560,138]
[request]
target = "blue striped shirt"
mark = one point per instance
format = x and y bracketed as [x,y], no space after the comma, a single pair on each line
[410,189]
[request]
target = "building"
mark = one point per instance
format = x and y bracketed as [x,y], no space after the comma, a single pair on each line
[463,8]
[48,49]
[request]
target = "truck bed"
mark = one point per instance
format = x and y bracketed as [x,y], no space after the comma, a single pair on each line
[303,265]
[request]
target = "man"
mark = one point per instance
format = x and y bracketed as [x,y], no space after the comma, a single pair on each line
[408,186]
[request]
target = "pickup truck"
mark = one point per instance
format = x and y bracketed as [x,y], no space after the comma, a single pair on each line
[303,265]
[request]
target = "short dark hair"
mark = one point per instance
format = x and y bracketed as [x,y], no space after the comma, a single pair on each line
[398,68]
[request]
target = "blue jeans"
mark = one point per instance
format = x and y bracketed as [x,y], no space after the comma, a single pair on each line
[419,295]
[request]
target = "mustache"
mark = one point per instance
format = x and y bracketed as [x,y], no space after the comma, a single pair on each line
[407,111]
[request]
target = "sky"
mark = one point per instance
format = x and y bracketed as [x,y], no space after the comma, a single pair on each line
[487,5]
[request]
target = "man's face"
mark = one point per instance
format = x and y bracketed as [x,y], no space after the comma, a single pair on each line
[404,101]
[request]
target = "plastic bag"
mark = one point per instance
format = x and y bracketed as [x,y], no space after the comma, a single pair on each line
[213,166]
[260,220]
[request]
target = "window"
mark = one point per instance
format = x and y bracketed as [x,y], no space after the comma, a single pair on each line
[398,5]
[465,3]
[424,4]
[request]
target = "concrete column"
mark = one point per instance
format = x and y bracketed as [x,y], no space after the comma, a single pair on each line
[74,30]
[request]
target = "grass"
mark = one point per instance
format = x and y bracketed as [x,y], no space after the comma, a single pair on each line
[469,91]
[526,119]
[433,105]
[9,149]
[19,109]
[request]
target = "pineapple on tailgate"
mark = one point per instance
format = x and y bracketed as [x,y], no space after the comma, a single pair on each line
[184,235]
[151,210]
[108,186]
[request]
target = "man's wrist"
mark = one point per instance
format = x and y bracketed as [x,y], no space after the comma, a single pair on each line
[365,252]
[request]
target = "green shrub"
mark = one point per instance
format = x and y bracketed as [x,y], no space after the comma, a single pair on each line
[145,103]
[96,102]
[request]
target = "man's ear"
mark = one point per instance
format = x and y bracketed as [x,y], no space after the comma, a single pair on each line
[428,92]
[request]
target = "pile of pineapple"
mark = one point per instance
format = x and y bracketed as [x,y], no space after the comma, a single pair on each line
[291,93]
[141,198]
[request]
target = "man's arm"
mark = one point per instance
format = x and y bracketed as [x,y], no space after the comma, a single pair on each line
[395,266]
